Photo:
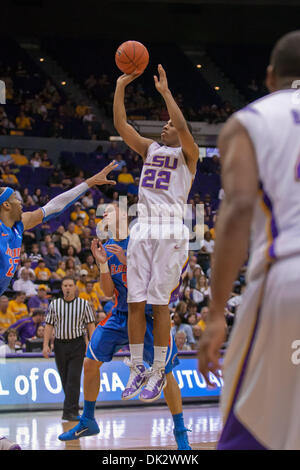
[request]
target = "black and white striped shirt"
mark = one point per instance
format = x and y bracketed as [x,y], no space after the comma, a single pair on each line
[69,318]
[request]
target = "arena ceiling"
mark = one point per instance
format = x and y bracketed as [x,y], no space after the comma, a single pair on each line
[197,21]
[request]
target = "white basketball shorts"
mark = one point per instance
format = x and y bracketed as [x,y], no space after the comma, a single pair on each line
[154,265]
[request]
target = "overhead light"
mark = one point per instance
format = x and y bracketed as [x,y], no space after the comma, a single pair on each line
[217,88]
[63,83]
[42,59]
[198,66]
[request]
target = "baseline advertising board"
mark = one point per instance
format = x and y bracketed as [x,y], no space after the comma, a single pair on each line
[34,382]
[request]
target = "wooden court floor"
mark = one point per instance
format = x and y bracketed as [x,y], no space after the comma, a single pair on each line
[120,428]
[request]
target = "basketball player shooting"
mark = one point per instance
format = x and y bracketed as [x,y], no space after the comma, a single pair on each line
[155,265]
[260,148]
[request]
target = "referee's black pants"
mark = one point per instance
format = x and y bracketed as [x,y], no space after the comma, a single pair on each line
[69,356]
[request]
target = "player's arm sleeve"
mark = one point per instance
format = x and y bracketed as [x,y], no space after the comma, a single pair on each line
[63,201]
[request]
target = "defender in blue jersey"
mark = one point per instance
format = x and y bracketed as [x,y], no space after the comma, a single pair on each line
[112,334]
[13,222]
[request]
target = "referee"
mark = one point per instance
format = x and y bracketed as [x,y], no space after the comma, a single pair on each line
[68,317]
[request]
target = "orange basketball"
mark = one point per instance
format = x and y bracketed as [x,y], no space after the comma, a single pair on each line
[131,56]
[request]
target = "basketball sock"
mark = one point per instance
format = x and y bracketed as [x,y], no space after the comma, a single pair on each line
[178,421]
[89,409]
[160,354]
[136,353]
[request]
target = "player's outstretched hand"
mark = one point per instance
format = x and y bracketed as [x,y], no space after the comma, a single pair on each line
[118,251]
[101,177]
[125,79]
[161,84]
[98,251]
[209,347]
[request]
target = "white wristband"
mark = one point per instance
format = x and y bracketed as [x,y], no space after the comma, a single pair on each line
[104,268]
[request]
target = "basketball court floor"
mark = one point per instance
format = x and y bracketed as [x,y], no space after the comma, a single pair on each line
[120,428]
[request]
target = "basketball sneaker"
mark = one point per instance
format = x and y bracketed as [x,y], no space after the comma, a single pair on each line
[181,438]
[85,427]
[155,383]
[137,379]
[6,444]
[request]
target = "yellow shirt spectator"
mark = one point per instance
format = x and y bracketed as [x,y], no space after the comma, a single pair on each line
[92,298]
[6,319]
[61,273]
[19,159]
[9,178]
[125,178]
[98,290]
[42,274]
[19,309]
[23,122]
[202,324]
[74,216]
[81,287]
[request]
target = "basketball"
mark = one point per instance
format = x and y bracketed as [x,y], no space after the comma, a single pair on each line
[131,56]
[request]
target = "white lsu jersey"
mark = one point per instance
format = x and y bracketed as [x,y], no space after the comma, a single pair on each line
[165,182]
[273,124]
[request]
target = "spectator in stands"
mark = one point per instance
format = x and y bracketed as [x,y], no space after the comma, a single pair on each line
[18,158]
[61,270]
[79,212]
[35,160]
[52,258]
[192,318]
[79,226]
[71,238]
[40,300]
[91,267]
[40,332]
[125,177]
[23,122]
[81,283]
[42,272]
[71,253]
[5,157]
[27,326]
[181,341]
[203,318]
[88,200]
[208,244]
[38,198]
[26,198]
[91,296]
[24,284]
[12,346]
[8,177]
[180,326]
[7,317]
[197,332]
[45,160]
[35,255]
[18,306]
[27,265]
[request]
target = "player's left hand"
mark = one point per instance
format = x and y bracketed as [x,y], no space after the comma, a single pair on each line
[101,177]
[210,344]
[162,84]
[118,251]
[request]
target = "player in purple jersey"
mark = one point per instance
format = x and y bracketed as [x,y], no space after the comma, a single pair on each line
[13,222]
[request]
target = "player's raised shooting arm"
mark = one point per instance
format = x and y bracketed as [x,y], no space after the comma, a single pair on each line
[189,146]
[61,202]
[130,136]
[240,182]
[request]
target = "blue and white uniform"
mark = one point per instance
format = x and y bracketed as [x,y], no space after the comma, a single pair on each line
[261,368]
[112,333]
[10,249]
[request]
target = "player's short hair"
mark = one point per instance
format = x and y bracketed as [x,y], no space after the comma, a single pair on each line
[285,56]
[68,278]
